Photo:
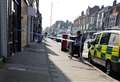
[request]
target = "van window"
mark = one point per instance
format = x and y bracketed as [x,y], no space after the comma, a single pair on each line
[105,38]
[114,39]
[97,37]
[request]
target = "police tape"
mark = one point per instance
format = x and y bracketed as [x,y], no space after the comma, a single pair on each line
[62,39]
[39,34]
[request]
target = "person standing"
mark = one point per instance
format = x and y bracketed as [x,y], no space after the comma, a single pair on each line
[76,45]
[82,40]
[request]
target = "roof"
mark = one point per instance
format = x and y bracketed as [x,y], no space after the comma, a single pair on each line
[108,31]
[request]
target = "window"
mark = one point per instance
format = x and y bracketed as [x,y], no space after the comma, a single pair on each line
[114,39]
[97,38]
[105,38]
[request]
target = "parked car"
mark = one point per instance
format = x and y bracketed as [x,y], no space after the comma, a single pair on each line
[58,37]
[105,50]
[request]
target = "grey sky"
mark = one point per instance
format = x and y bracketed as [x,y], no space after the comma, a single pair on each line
[67,9]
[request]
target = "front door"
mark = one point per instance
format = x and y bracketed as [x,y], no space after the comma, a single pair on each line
[97,46]
[104,45]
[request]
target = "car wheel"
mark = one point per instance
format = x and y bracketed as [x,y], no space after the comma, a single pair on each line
[108,67]
[89,58]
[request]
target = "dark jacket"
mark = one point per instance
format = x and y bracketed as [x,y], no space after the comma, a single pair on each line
[78,41]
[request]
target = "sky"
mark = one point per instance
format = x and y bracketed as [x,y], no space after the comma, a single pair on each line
[67,9]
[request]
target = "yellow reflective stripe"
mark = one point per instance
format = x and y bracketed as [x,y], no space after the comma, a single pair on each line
[98,54]
[115,51]
[108,56]
[104,48]
[115,54]
[119,41]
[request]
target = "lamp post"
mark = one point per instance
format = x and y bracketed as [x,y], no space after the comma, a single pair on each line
[51,12]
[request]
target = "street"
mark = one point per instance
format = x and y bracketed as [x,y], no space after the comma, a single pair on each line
[67,70]
[45,62]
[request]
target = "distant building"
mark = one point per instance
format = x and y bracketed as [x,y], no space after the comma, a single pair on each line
[106,17]
[91,18]
[60,27]
[103,18]
[79,24]
[114,19]
[86,22]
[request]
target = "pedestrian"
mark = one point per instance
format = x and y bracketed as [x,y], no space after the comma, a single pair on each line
[76,45]
[82,40]
[40,37]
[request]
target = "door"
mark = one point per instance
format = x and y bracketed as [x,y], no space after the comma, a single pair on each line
[113,47]
[101,47]
[95,46]
[95,39]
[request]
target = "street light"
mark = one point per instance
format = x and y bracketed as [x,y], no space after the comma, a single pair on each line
[51,12]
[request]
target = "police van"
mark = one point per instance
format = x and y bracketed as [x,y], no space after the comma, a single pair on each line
[105,50]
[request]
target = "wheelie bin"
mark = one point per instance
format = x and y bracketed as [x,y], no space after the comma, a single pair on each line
[64,42]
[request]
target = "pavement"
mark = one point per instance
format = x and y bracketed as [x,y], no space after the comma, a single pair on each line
[45,62]
[65,69]
[30,65]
